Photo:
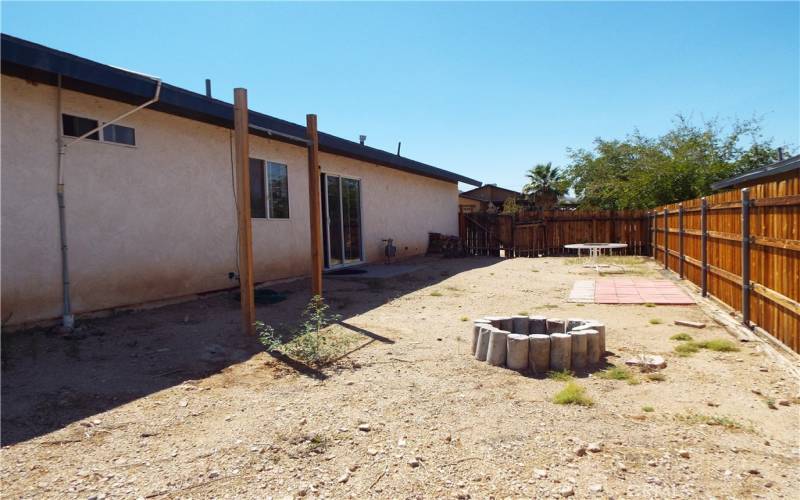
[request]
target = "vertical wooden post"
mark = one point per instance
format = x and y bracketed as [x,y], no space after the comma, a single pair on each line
[704,246]
[666,239]
[314,204]
[241,140]
[653,232]
[746,257]
[680,240]
[613,230]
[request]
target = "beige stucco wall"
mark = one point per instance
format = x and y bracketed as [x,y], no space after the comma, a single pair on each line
[157,221]
[475,205]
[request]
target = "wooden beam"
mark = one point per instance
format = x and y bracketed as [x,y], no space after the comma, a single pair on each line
[241,140]
[778,201]
[776,242]
[774,296]
[314,204]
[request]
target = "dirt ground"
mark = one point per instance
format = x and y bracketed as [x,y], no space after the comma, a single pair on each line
[171,402]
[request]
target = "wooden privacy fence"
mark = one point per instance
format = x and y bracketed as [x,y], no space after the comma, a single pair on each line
[742,247]
[534,233]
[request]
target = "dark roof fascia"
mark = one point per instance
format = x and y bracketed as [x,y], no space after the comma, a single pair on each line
[780,167]
[42,64]
[469,196]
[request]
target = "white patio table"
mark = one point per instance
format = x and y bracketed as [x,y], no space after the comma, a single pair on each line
[595,250]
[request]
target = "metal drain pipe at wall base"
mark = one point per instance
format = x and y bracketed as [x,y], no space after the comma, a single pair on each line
[67,318]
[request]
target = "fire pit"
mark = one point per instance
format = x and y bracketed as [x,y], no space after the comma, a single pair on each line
[538,344]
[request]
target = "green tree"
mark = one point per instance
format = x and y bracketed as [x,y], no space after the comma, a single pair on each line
[510,206]
[545,184]
[643,172]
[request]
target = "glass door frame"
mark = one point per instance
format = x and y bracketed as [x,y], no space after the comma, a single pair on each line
[326,220]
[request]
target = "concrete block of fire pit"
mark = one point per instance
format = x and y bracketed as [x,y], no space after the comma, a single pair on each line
[519,324]
[560,351]
[496,354]
[593,353]
[482,347]
[592,324]
[517,357]
[537,325]
[476,330]
[539,353]
[555,325]
[579,348]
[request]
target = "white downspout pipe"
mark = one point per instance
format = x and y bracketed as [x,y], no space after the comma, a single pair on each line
[67,318]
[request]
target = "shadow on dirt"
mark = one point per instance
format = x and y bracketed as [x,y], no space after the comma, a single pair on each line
[49,381]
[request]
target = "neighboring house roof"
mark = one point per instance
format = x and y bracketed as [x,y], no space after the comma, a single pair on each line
[42,64]
[779,167]
[489,192]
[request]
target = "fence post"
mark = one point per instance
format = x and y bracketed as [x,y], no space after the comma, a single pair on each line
[653,230]
[704,246]
[666,239]
[680,240]
[746,257]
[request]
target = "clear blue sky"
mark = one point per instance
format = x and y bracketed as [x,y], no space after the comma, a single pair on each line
[486,90]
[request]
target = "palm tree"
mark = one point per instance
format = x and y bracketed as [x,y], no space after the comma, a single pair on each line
[545,185]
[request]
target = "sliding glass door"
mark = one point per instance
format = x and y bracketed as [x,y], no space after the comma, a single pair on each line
[341,211]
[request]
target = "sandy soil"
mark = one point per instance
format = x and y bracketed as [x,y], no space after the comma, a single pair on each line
[173,403]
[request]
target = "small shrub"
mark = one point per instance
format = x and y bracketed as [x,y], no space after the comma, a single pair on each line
[681,336]
[616,373]
[655,321]
[464,318]
[561,376]
[436,293]
[318,443]
[649,304]
[309,343]
[522,313]
[572,394]
[648,409]
[686,349]
[719,345]
[580,305]
[657,377]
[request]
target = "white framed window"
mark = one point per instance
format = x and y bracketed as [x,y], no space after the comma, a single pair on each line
[269,190]
[76,126]
[119,134]
[278,190]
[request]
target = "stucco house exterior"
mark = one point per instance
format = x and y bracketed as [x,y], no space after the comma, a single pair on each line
[149,205]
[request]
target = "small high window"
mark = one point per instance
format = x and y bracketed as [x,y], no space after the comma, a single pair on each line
[119,134]
[269,190]
[75,126]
